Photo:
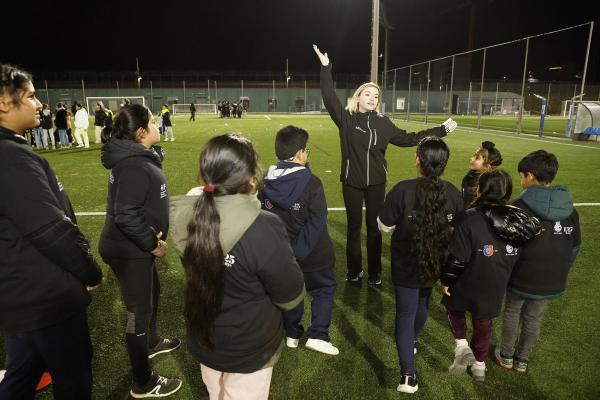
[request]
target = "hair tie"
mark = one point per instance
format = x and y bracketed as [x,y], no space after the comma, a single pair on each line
[208,188]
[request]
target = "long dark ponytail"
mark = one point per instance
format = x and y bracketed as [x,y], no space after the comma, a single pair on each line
[126,123]
[227,163]
[432,236]
[494,188]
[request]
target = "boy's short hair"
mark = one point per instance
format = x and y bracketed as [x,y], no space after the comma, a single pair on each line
[289,140]
[541,164]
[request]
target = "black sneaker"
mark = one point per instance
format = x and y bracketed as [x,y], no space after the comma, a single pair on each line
[355,277]
[375,281]
[159,387]
[164,345]
[408,384]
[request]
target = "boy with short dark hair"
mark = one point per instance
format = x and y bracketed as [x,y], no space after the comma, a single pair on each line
[297,197]
[540,275]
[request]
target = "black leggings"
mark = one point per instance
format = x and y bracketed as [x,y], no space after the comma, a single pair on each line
[140,289]
[373,197]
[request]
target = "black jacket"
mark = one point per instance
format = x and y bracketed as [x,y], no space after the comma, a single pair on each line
[137,206]
[46,118]
[260,271]
[99,118]
[482,257]
[364,138]
[545,262]
[398,211]
[60,119]
[297,197]
[45,261]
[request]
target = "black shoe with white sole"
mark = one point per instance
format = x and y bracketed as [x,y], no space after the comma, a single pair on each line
[164,345]
[159,386]
[408,384]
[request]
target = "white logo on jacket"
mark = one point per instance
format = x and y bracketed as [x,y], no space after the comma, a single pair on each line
[60,185]
[296,207]
[557,227]
[361,129]
[111,178]
[568,230]
[163,190]
[229,261]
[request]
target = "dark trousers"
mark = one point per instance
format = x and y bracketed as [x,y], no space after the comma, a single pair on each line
[482,332]
[320,285]
[373,197]
[412,309]
[64,349]
[140,288]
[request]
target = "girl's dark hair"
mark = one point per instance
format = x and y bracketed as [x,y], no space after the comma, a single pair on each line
[127,121]
[432,236]
[495,188]
[227,162]
[491,155]
[12,81]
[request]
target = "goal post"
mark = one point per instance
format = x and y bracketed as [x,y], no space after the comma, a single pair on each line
[184,109]
[113,102]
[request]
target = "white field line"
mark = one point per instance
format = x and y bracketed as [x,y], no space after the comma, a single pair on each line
[267,117]
[102,213]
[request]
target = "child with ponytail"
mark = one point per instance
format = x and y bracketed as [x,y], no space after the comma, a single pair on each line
[419,212]
[240,272]
[137,221]
[485,158]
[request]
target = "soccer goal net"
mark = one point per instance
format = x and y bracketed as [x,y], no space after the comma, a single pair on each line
[183,109]
[114,103]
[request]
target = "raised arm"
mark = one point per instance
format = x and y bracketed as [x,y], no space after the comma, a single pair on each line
[330,99]
[402,138]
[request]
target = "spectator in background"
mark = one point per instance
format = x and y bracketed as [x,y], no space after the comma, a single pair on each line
[82,123]
[62,125]
[46,125]
[192,112]
[99,118]
[168,126]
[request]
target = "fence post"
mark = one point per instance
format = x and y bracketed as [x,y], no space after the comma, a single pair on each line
[408,100]
[520,118]
[451,89]
[481,91]
[394,94]
[151,96]
[587,55]
[427,93]
[48,94]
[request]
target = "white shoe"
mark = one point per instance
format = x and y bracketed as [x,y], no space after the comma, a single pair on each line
[322,346]
[291,342]
[172,139]
[463,358]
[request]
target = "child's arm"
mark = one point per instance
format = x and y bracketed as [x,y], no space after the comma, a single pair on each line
[308,237]
[390,211]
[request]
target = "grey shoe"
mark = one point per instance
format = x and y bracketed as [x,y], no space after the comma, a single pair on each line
[463,357]
[477,372]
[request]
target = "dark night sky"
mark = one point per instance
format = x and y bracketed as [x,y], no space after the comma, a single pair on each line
[258,35]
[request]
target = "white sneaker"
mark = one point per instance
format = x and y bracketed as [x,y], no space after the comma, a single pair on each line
[463,358]
[322,346]
[172,139]
[2,372]
[291,342]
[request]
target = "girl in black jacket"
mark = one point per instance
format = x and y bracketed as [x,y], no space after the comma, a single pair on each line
[419,211]
[484,248]
[485,158]
[137,221]
[364,136]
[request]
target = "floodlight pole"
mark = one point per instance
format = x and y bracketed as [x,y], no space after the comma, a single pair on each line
[375,41]
[151,96]
[408,100]
[394,95]
[118,89]
[587,55]
[216,92]
[520,118]
[208,89]
[83,89]
[183,91]
[427,93]
[451,89]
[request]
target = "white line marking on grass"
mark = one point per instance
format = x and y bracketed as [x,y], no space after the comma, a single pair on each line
[102,213]
[267,117]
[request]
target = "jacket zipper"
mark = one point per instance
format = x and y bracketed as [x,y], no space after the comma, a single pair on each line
[347,168]
[375,131]
[385,169]
[368,148]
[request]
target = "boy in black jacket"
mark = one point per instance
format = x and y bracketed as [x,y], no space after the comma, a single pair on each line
[540,275]
[46,266]
[297,197]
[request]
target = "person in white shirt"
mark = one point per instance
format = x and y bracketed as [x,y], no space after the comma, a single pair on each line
[81,126]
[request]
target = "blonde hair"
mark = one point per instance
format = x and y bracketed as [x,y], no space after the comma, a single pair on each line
[352,106]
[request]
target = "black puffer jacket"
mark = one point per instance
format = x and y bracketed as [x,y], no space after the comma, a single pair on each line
[483,252]
[137,206]
[364,138]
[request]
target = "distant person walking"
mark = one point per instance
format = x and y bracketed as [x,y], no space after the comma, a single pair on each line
[192,112]
[364,137]
[82,123]
[168,125]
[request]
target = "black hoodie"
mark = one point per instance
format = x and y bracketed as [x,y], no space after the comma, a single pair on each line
[364,138]
[137,206]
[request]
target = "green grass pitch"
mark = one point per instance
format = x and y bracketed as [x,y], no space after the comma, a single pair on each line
[565,364]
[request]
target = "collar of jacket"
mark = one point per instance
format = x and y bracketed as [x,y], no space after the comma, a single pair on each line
[236,212]
[6,133]
[115,150]
[363,116]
